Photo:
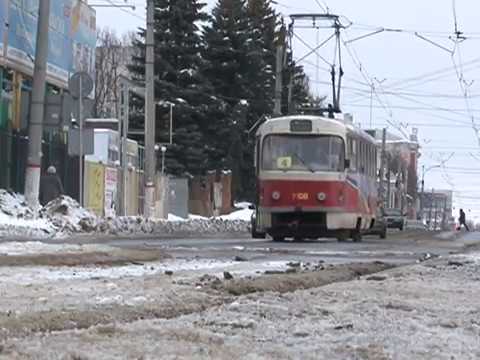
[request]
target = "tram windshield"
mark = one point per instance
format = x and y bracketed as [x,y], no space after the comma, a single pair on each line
[303,153]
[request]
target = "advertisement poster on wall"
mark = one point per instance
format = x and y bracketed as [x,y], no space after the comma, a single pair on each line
[3,26]
[110,192]
[94,187]
[72,37]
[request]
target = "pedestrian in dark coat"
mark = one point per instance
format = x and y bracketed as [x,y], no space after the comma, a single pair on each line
[462,220]
[50,186]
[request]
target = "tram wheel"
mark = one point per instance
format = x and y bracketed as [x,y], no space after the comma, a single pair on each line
[357,237]
[383,234]
[278,239]
[342,237]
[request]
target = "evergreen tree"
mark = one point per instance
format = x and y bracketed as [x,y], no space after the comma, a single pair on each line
[301,96]
[179,81]
[263,22]
[240,58]
[229,61]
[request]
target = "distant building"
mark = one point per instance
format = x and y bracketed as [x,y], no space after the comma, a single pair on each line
[401,176]
[437,208]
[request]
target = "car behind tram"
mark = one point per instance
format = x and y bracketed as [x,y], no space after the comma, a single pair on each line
[316,178]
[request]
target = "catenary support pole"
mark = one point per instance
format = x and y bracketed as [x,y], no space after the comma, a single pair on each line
[150,164]
[125,99]
[80,154]
[430,209]
[35,131]
[278,80]
[383,160]
[422,196]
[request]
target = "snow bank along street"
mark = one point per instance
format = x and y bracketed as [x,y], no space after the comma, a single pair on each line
[97,301]
[64,217]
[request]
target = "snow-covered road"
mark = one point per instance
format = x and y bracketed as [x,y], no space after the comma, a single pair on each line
[423,311]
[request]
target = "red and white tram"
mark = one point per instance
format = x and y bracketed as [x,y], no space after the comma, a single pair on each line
[316,177]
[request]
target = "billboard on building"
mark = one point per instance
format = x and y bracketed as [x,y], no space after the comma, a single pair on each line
[72,37]
[3,26]
[94,187]
[111,183]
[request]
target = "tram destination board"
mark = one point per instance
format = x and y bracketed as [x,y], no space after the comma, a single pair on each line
[301,126]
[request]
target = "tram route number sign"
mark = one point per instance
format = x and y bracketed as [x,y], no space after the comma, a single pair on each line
[300,196]
[284,162]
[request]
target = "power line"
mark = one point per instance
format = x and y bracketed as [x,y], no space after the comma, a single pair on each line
[430,33]
[321,6]
[430,76]
[367,78]
[401,107]
[131,13]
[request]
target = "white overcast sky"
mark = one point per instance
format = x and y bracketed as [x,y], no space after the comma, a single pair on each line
[435,104]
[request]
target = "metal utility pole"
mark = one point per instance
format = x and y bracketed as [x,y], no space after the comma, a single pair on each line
[430,210]
[383,160]
[35,131]
[340,70]
[389,187]
[80,136]
[278,79]
[150,164]
[290,94]
[422,196]
[123,126]
[444,214]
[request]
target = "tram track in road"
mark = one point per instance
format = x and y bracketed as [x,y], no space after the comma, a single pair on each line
[399,248]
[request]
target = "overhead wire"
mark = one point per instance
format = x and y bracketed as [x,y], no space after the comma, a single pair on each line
[321,6]
[131,13]
[459,69]
[368,79]
[431,76]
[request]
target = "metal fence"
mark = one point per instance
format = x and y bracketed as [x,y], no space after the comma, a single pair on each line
[13,160]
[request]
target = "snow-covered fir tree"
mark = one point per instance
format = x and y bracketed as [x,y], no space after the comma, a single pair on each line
[179,81]
[301,96]
[229,62]
[240,57]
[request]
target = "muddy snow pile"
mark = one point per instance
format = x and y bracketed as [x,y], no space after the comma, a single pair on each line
[64,217]
[17,219]
[68,216]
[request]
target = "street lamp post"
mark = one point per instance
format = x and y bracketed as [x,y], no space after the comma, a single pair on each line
[171,123]
[164,150]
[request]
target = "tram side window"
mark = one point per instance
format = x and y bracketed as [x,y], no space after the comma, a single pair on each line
[257,155]
[369,160]
[374,167]
[352,153]
[362,157]
[359,156]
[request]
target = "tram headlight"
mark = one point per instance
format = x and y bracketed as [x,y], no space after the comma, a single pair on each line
[276,195]
[321,196]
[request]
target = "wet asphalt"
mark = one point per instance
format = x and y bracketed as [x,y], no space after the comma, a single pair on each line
[399,248]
